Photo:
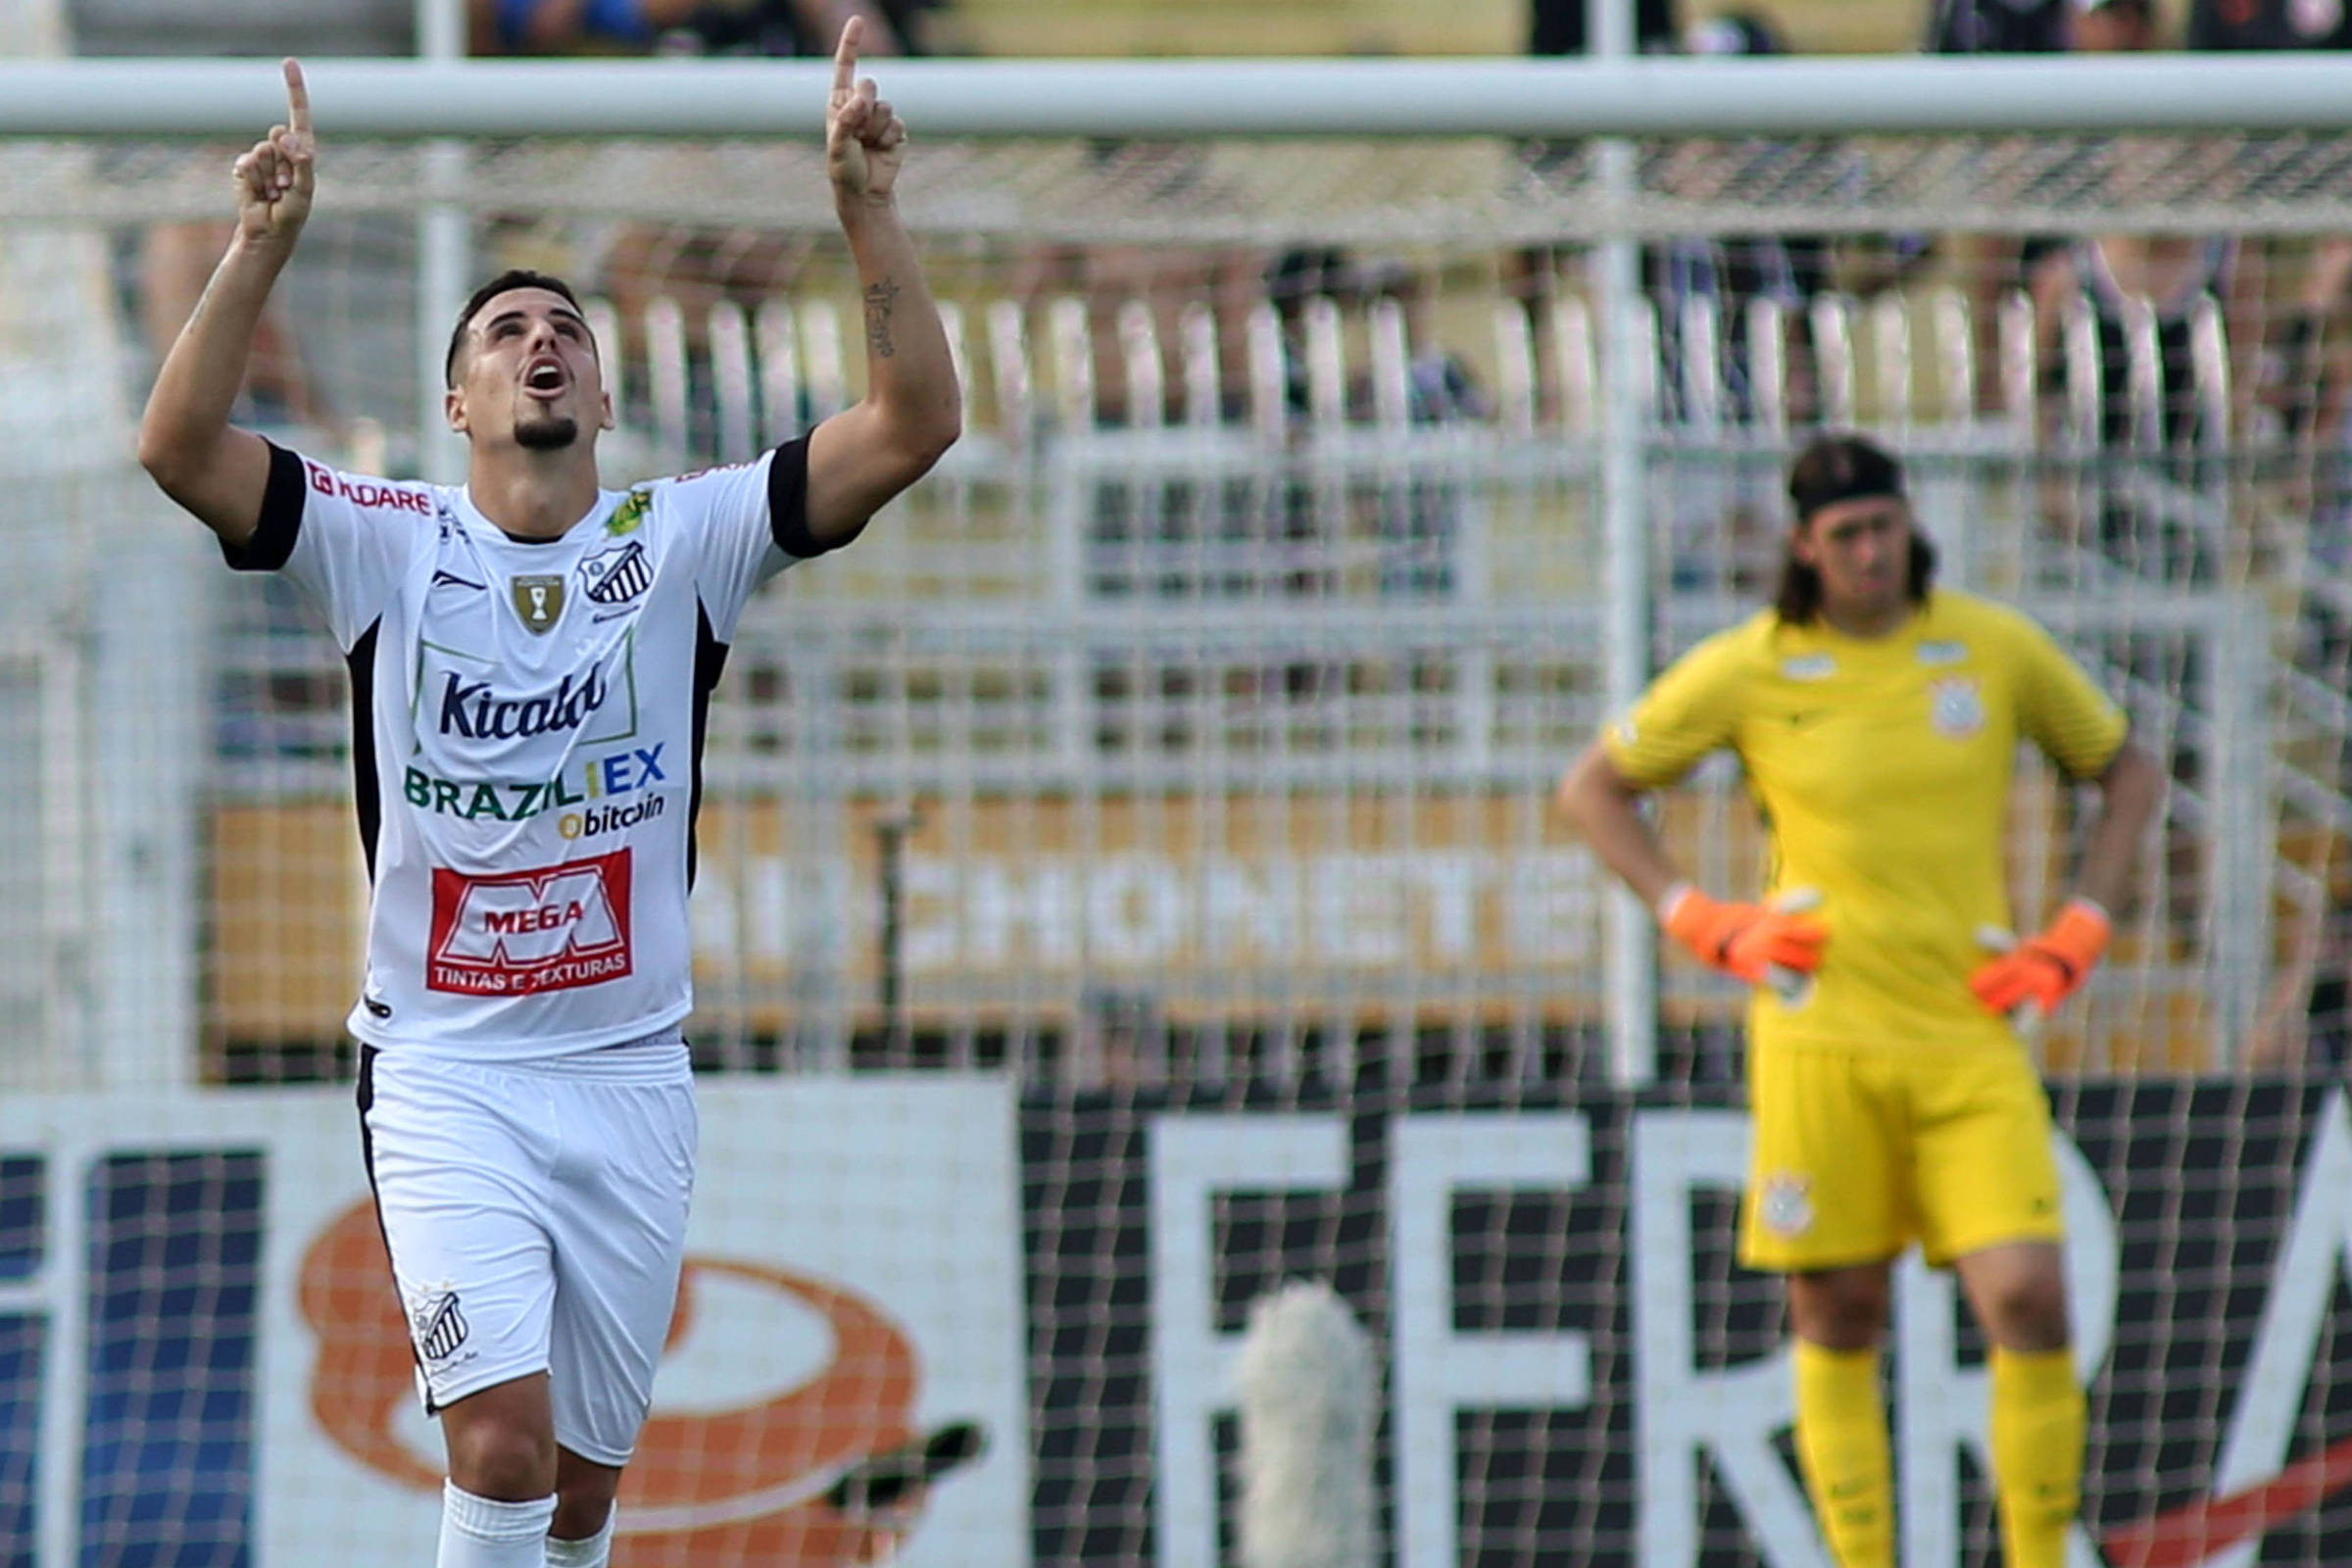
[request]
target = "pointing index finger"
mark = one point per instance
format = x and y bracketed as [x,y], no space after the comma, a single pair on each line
[298,100]
[844,57]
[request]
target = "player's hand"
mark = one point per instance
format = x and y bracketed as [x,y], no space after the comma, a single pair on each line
[865,140]
[274,179]
[1759,943]
[2046,969]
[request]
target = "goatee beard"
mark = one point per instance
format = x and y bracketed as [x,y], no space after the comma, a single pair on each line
[552,434]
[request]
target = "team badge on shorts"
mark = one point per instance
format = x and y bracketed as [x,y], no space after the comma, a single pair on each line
[436,1324]
[1955,708]
[1786,1206]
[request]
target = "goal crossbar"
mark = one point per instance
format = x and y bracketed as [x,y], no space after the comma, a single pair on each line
[1305,97]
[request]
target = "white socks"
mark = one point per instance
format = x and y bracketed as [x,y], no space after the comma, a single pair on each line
[480,1532]
[594,1552]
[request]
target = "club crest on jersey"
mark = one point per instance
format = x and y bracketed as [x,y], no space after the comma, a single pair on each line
[616,576]
[1955,708]
[538,600]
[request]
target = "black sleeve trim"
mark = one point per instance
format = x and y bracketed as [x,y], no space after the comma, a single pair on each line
[787,502]
[272,541]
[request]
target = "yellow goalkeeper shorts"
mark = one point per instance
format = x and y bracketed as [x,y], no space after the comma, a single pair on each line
[1856,1154]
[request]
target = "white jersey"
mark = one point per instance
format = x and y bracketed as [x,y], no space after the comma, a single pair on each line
[527,718]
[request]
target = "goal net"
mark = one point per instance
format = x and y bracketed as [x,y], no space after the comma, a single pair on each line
[1127,882]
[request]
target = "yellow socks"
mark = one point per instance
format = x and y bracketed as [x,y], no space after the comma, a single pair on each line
[2038,1429]
[1842,1444]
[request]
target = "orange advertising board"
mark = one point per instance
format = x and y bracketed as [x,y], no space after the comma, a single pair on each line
[1233,905]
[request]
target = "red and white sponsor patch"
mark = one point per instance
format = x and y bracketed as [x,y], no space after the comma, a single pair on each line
[361,492]
[521,932]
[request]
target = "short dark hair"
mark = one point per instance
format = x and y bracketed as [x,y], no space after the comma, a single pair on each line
[1840,466]
[514,278]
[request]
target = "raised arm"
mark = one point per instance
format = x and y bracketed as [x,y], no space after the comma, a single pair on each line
[913,409]
[200,460]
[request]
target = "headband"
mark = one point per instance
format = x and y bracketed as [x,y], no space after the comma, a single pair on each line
[1851,471]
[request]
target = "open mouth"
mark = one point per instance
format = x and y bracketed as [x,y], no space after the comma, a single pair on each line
[545,378]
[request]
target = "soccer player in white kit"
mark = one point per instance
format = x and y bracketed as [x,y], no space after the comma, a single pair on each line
[531,657]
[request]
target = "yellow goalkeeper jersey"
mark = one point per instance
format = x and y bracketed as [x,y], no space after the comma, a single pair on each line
[1884,771]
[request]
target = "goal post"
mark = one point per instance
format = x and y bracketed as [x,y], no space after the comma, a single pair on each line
[1127,880]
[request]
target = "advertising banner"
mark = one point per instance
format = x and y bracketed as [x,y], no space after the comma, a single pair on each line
[203,1357]
[1575,1369]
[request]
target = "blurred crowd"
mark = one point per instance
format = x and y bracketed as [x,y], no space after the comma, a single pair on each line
[2284,305]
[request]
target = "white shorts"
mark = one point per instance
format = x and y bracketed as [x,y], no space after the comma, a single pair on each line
[536,1217]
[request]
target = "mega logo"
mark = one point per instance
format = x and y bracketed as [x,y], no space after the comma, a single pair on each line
[762,1483]
[371,492]
[524,932]
[472,710]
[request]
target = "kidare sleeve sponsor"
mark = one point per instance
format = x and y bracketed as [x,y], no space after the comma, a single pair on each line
[519,933]
[353,544]
[370,494]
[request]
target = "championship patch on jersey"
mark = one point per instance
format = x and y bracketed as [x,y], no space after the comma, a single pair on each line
[538,600]
[1955,708]
[519,933]
[617,577]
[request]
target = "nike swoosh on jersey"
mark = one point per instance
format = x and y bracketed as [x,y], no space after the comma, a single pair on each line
[443,577]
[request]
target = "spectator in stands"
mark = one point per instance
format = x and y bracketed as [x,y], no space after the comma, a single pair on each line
[1557,27]
[696,266]
[2172,274]
[1997,28]
[1990,267]
[2306,1019]
[1439,386]
[173,261]
[2268,25]
[2296,378]
[691,26]
[1733,270]
[2302,375]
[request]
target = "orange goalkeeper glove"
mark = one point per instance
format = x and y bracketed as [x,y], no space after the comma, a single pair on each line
[2046,969]
[1759,943]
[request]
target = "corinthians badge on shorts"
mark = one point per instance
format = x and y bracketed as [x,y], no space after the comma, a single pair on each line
[538,600]
[1785,1205]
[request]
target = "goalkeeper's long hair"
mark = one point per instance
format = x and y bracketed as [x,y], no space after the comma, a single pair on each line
[1834,468]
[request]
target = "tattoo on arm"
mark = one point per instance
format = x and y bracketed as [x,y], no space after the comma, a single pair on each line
[879,301]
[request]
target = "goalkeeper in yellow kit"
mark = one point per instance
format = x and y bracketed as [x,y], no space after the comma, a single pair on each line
[1877,719]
